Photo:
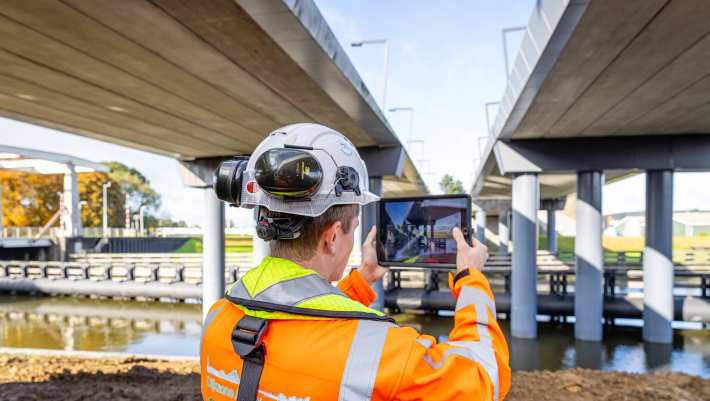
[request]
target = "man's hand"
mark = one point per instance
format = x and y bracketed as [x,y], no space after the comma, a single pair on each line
[467,256]
[369,269]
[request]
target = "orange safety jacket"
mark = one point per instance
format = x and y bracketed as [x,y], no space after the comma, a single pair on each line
[323,343]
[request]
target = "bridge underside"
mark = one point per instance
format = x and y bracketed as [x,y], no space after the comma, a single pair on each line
[184,79]
[600,90]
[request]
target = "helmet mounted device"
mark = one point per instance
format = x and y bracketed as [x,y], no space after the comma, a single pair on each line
[297,172]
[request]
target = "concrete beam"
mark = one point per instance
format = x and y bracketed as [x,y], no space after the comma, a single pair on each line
[648,152]
[383,161]
[198,173]
[553,204]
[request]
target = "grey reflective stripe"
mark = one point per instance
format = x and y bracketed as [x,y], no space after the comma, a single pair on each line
[289,292]
[474,296]
[478,351]
[425,342]
[239,291]
[292,292]
[210,317]
[208,320]
[360,370]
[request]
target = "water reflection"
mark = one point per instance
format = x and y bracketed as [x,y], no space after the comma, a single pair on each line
[174,329]
[622,348]
[99,325]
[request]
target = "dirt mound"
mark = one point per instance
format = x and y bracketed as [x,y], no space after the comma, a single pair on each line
[26,378]
[584,384]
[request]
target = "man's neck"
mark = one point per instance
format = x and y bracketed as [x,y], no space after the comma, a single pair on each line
[317,264]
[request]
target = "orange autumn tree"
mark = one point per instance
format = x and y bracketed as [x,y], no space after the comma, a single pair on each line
[32,199]
[29,199]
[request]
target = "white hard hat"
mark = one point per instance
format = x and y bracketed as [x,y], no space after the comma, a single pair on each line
[325,164]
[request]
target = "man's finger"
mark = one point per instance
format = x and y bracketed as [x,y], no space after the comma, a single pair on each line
[458,236]
[371,236]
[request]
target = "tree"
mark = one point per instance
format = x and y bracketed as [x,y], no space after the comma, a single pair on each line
[134,183]
[450,186]
[91,191]
[32,199]
[29,199]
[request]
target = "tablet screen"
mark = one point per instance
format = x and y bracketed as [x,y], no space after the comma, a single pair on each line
[418,231]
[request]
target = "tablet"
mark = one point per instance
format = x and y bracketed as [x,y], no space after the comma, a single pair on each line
[417,232]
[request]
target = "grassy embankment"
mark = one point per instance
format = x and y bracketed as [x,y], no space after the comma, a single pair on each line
[633,245]
[233,244]
[612,245]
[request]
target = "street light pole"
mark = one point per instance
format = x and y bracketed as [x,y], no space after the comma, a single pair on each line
[480,149]
[386,43]
[411,119]
[141,221]
[104,190]
[504,34]
[488,118]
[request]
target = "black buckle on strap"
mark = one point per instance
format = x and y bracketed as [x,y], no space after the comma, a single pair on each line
[247,338]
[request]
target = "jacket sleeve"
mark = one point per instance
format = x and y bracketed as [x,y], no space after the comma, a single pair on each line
[472,364]
[357,288]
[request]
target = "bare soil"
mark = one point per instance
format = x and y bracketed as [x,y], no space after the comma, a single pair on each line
[26,378]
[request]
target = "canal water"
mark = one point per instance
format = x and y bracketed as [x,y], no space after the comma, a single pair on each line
[174,329]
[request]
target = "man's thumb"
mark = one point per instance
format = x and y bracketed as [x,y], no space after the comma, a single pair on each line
[458,235]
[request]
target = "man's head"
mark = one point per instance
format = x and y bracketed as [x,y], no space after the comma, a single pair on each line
[325,241]
[307,182]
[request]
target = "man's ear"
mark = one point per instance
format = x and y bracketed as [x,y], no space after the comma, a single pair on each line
[330,235]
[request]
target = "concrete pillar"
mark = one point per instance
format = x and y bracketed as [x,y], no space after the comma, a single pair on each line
[658,258]
[259,250]
[369,219]
[213,263]
[503,232]
[589,300]
[523,309]
[72,219]
[589,354]
[481,226]
[551,231]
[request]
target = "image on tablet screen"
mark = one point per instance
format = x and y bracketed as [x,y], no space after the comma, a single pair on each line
[419,231]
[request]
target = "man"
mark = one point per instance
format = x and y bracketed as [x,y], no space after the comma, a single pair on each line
[283,332]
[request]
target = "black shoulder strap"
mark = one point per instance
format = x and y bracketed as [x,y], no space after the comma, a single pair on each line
[247,342]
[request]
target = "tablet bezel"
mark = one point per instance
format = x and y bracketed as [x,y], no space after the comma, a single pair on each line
[467,231]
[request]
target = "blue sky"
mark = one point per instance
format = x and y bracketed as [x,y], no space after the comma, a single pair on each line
[445,61]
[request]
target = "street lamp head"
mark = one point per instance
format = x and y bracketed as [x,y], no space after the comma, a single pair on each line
[359,43]
[394,109]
